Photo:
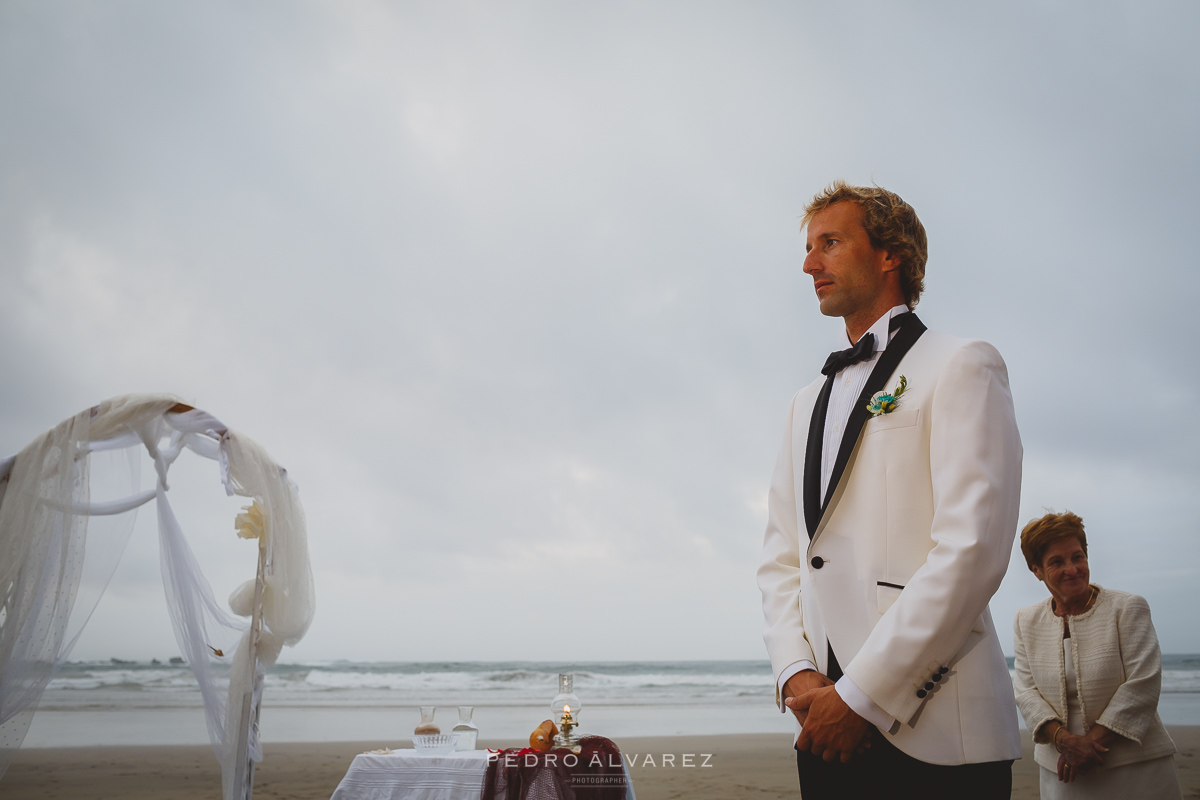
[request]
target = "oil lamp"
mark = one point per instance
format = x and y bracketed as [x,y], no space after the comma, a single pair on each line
[565,708]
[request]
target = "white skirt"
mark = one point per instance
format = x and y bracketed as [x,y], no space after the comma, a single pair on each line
[1155,779]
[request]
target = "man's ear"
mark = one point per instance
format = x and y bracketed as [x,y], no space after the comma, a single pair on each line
[891,263]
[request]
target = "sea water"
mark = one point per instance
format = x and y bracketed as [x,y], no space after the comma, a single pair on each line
[117,702]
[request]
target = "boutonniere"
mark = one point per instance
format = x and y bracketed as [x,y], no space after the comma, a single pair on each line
[886,402]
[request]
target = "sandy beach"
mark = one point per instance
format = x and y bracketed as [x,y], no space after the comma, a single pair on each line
[744,765]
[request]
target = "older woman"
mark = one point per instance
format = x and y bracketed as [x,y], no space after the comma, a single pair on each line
[1088,673]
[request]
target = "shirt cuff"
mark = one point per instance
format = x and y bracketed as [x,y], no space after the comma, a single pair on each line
[862,705]
[787,673]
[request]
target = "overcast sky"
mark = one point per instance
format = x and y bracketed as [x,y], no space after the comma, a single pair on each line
[514,290]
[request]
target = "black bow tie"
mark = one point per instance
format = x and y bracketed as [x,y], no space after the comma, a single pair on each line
[840,359]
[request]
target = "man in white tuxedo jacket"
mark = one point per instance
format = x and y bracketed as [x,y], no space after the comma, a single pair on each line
[892,513]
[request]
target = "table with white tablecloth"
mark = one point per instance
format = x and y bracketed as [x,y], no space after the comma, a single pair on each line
[413,775]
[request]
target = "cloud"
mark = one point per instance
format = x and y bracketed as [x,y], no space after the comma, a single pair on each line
[515,294]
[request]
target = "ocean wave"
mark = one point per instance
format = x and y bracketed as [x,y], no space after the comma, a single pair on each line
[512,686]
[124,679]
[520,675]
[1176,681]
[515,683]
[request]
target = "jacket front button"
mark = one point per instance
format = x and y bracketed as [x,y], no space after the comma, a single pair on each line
[937,676]
[921,693]
[943,670]
[817,562]
[929,687]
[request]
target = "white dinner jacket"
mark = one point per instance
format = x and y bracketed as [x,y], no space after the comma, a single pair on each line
[914,541]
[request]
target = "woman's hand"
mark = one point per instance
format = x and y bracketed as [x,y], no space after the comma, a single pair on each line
[1078,754]
[1102,735]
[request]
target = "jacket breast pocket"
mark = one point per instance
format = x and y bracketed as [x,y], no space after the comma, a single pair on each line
[896,419]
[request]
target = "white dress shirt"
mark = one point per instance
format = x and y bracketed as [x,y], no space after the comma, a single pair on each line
[847,386]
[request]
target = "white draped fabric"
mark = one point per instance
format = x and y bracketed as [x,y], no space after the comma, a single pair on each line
[412,775]
[59,548]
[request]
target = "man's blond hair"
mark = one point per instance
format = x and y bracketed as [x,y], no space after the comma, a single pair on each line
[891,224]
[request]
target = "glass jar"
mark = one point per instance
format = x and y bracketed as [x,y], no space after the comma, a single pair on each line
[427,727]
[466,731]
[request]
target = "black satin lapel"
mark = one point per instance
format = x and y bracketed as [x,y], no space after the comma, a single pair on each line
[812,458]
[897,349]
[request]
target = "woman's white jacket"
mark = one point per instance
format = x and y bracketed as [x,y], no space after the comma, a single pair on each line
[1118,669]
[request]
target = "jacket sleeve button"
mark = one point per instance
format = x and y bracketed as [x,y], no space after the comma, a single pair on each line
[937,676]
[943,670]
[921,693]
[817,562]
[929,687]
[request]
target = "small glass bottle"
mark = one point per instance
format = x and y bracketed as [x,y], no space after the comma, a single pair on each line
[427,727]
[466,730]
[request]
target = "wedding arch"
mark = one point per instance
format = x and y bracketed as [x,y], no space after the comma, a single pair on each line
[59,546]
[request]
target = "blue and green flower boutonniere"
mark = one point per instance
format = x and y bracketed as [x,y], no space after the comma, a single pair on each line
[886,402]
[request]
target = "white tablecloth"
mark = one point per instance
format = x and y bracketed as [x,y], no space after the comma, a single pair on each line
[410,775]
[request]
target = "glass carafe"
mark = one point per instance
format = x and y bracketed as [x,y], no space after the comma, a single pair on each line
[466,730]
[427,727]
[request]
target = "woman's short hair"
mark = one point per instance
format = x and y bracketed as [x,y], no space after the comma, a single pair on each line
[1042,532]
[891,225]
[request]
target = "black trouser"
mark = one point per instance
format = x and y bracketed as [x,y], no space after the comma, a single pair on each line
[883,771]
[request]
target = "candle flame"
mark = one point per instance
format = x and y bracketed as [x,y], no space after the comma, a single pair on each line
[566,709]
